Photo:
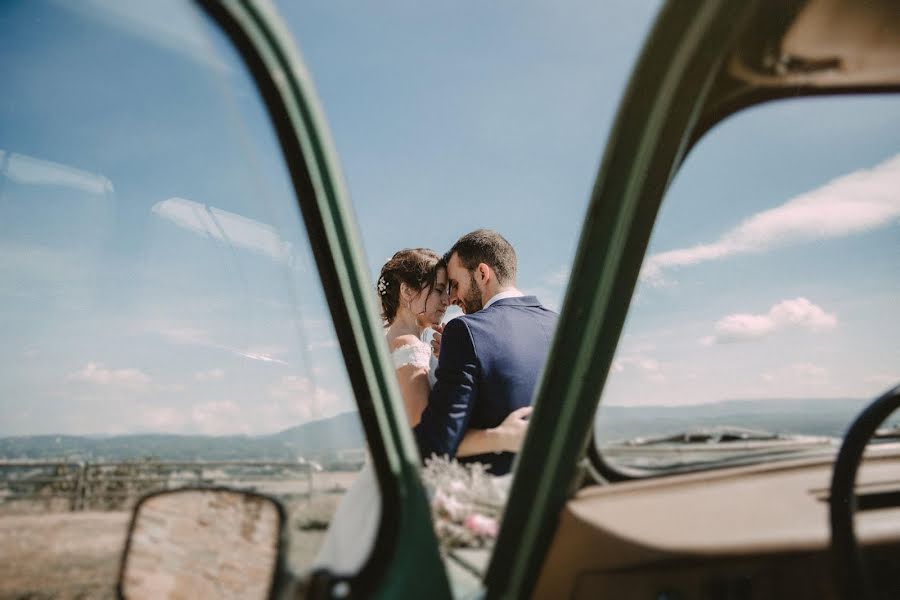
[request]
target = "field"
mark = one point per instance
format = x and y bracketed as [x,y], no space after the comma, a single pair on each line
[76,555]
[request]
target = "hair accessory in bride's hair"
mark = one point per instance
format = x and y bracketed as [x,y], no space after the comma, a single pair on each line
[382,286]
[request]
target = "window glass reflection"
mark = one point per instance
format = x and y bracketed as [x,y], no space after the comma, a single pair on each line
[163,322]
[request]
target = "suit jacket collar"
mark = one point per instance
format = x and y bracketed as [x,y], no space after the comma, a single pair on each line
[517,301]
[510,293]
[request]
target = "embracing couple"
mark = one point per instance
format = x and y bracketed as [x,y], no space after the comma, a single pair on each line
[466,396]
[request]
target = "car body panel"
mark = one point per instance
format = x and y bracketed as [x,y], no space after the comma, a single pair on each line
[648,141]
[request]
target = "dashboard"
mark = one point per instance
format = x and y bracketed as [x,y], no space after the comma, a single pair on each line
[743,533]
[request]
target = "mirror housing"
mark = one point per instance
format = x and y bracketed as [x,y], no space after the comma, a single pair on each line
[204,543]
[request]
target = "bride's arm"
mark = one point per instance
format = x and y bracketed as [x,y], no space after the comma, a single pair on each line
[413,380]
[414,389]
[506,437]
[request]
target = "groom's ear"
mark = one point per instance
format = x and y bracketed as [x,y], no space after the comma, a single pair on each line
[484,272]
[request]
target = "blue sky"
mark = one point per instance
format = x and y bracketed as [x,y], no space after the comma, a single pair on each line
[155,275]
[773,270]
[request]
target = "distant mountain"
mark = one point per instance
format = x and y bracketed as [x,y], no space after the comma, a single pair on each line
[805,416]
[810,416]
[341,432]
[315,437]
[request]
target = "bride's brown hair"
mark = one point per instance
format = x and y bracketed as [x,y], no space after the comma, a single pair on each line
[416,267]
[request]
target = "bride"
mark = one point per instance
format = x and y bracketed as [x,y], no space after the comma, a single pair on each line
[414,294]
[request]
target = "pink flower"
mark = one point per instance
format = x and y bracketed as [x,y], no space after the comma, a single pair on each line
[481,525]
[447,505]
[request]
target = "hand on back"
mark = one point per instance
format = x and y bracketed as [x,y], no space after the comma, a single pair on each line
[513,428]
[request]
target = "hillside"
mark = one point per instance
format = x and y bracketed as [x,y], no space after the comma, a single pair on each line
[317,437]
[809,416]
[806,416]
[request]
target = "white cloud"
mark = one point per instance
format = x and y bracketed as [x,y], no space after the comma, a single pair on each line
[798,313]
[648,367]
[257,356]
[886,379]
[189,336]
[34,171]
[219,417]
[797,374]
[159,418]
[291,386]
[97,374]
[861,201]
[301,400]
[560,276]
[210,375]
[227,227]
[267,350]
[297,401]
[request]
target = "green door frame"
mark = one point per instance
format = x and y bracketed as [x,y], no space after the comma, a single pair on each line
[682,86]
[652,132]
[406,544]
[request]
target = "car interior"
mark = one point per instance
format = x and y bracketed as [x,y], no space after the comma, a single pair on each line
[774,530]
[588,515]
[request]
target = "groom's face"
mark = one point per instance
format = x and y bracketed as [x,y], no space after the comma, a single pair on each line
[464,290]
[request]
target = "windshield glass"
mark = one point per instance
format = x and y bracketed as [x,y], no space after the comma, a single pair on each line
[448,121]
[765,318]
[163,323]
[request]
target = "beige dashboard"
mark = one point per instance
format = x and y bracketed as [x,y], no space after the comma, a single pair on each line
[750,532]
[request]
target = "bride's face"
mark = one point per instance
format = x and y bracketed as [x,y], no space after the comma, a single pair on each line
[435,301]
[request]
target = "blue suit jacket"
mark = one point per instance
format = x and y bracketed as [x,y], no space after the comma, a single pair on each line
[489,366]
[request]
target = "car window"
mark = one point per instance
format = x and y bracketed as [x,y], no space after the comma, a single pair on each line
[451,120]
[163,320]
[765,314]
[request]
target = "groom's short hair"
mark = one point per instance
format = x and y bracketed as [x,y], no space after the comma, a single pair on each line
[488,247]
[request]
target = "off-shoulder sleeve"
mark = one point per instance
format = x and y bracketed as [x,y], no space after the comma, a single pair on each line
[417,355]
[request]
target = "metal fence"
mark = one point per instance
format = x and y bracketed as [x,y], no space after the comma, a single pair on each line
[76,486]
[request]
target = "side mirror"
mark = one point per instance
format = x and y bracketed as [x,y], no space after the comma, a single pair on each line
[203,543]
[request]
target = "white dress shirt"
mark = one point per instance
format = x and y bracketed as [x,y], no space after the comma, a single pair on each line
[510,293]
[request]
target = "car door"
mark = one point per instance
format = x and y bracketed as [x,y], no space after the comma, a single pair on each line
[180,264]
[698,66]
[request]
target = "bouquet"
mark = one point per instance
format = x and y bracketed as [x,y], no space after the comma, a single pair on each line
[466,502]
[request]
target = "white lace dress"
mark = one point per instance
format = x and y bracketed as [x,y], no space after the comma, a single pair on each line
[351,533]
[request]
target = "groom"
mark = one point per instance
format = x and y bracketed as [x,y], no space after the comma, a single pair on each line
[491,357]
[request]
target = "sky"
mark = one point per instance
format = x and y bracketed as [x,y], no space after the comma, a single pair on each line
[154,271]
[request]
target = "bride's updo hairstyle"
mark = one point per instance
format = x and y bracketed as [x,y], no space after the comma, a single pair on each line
[416,267]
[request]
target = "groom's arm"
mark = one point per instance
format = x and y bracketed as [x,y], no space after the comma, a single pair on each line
[446,418]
